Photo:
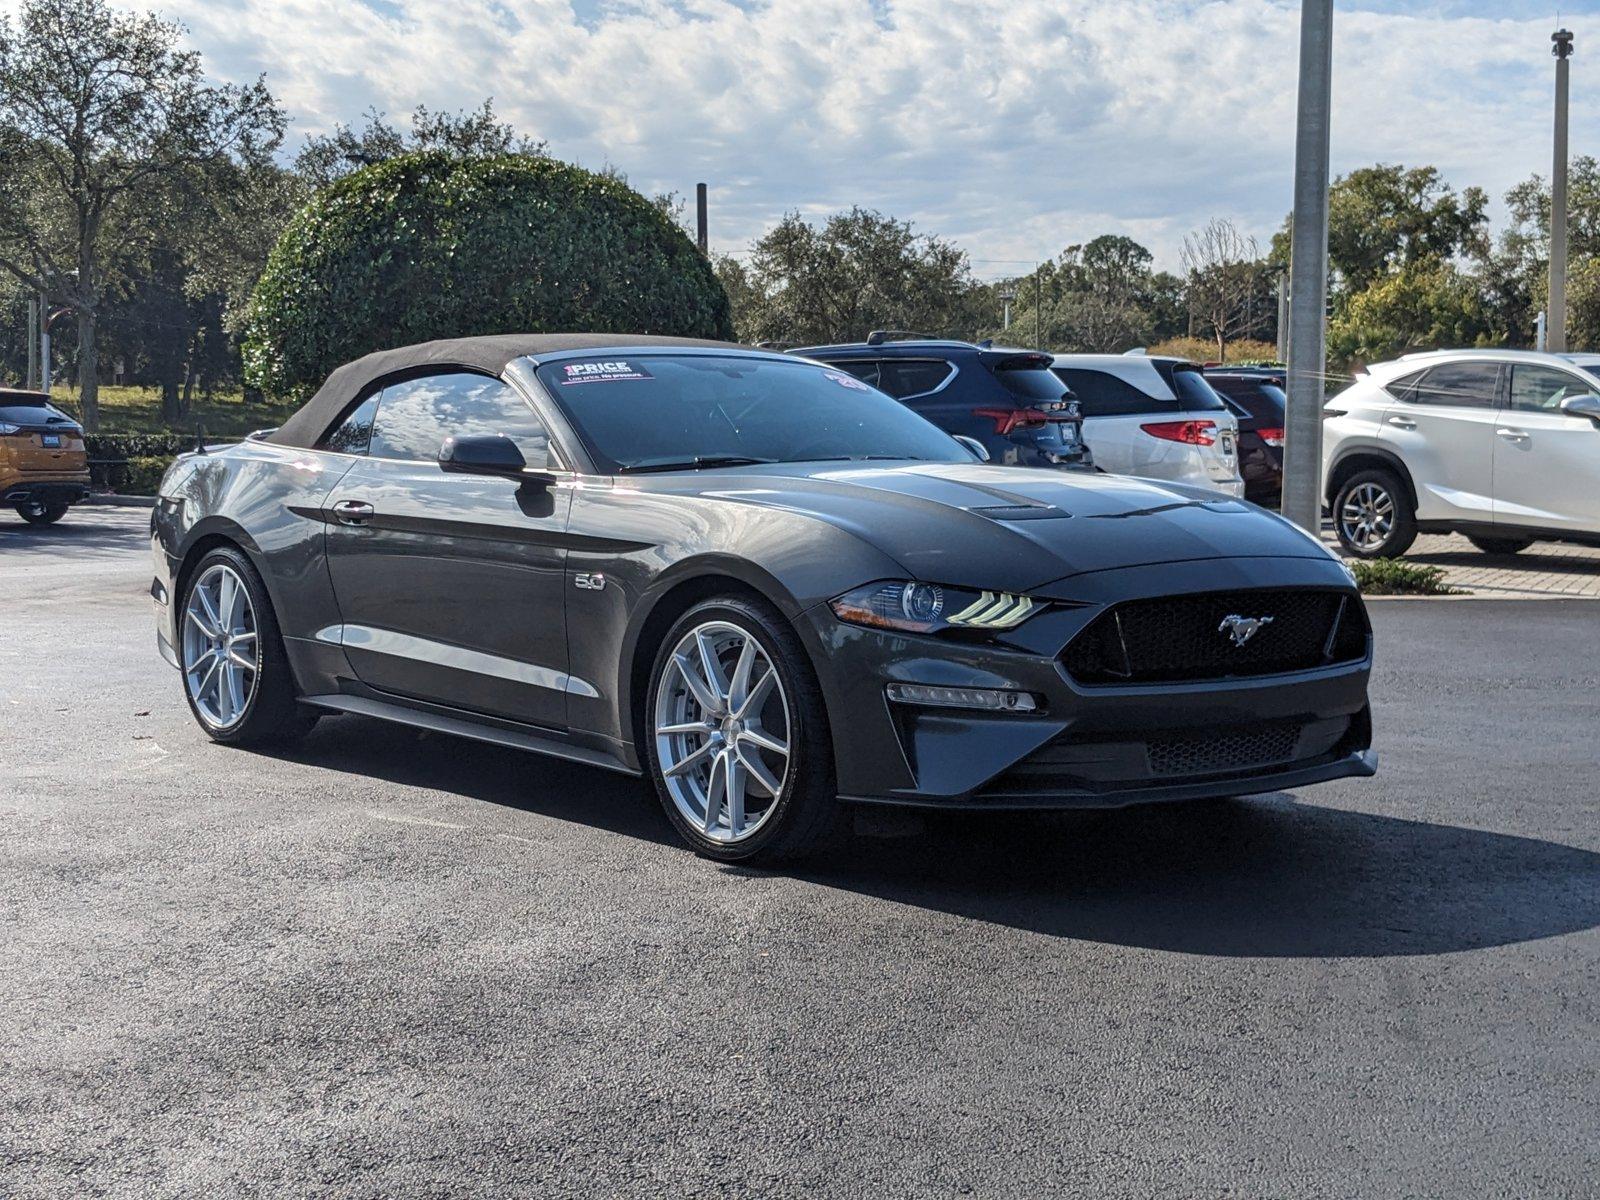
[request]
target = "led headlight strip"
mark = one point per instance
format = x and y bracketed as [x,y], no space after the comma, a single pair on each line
[994,610]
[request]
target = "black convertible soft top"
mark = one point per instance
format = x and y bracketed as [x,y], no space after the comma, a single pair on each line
[488,354]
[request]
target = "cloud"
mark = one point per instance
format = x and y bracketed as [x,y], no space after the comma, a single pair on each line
[1015,126]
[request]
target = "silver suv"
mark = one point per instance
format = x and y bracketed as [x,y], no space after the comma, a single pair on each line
[1501,445]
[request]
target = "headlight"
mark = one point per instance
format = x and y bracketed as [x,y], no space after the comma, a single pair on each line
[928,607]
[7,428]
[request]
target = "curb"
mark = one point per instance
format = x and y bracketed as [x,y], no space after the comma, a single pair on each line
[121,501]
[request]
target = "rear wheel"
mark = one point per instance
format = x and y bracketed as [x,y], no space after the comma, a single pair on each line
[1372,515]
[1496,545]
[737,740]
[235,673]
[37,512]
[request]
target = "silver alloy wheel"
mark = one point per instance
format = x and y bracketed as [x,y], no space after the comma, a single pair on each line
[1367,516]
[221,654]
[722,731]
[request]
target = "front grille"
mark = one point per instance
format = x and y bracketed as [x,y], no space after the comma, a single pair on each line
[1174,639]
[1208,753]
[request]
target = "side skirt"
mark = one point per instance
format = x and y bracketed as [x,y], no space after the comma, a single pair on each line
[385,710]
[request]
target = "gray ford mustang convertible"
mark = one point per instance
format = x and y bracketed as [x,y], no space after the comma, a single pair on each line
[753,578]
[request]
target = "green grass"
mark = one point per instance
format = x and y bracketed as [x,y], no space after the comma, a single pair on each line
[138,410]
[1396,577]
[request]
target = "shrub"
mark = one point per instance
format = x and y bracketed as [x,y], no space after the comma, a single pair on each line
[1396,577]
[138,445]
[430,245]
[143,474]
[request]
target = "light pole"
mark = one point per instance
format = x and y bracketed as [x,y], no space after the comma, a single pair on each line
[702,228]
[1283,314]
[46,319]
[35,306]
[1308,272]
[1556,334]
[1007,294]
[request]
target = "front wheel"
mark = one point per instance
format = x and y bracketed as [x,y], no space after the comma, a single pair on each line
[1372,515]
[737,740]
[37,512]
[236,675]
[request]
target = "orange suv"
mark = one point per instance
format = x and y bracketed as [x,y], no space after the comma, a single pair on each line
[43,465]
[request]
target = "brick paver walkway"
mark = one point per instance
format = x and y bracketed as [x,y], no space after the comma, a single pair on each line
[1544,571]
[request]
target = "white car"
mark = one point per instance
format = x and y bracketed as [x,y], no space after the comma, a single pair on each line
[1156,417]
[1501,445]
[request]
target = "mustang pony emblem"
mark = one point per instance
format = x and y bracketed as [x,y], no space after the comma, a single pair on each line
[1242,629]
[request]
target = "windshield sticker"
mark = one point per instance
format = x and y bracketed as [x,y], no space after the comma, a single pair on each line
[849,381]
[609,371]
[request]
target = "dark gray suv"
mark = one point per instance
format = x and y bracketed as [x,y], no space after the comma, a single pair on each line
[1007,400]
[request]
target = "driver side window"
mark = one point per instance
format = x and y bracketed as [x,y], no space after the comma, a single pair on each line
[415,416]
[1542,389]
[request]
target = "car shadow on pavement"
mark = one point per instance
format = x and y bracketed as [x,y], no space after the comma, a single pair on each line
[519,779]
[1262,877]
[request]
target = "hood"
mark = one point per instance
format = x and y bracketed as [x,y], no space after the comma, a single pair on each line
[1017,528]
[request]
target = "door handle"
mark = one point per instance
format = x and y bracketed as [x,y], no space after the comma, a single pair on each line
[1512,435]
[352,512]
[1402,422]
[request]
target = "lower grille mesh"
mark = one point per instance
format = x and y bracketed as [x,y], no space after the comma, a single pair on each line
[1223,752]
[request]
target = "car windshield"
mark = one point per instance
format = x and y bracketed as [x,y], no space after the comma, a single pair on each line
[663,412]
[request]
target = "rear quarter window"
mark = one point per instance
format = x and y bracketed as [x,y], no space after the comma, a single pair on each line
[1190,386]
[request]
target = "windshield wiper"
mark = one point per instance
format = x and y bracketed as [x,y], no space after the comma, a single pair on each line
[690,464]
[868,458]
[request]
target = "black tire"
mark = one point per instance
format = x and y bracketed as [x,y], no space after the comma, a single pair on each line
[807,809]
[41,514]
[1402,529]
[1497,545]
[272,714]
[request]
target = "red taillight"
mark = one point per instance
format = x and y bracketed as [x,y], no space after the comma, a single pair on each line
[1271,435]
[1007,420]
[1191,433]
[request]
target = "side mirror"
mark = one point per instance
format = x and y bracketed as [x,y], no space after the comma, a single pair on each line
[1583,406]
[491,454]
[979,450]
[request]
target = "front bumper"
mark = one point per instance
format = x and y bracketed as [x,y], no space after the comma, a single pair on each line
[1087,746]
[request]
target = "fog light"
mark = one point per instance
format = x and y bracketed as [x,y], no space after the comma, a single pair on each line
[988,699]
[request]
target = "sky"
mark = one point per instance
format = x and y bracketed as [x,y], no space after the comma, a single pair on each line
[1015,127]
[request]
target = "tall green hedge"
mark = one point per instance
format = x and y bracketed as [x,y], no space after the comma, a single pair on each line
[430,246]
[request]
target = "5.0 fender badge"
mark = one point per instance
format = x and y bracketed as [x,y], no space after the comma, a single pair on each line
[589,582]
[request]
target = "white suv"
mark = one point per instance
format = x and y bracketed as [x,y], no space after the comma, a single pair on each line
[1156,417]
[1501,445]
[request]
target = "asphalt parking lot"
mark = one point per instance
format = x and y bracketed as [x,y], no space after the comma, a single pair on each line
[390,964]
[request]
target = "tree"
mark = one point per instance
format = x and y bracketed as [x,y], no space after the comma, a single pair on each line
[1528,203]
[860,271]
[95,106]
[1517,272]
[1384,216]
[1426,304]
[476,132]
[1226,283]
[431,245]
[203,238]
